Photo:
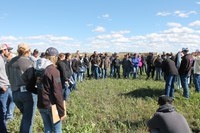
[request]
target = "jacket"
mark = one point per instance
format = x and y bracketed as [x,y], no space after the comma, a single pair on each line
[167,120]
[186,65]
[169,67]
[51,93]
[197,65]
[19,71]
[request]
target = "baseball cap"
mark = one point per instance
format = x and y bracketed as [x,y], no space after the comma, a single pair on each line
[51,51]
[185,49]
[35,51]
[163,99]
[5,46]
[25,46]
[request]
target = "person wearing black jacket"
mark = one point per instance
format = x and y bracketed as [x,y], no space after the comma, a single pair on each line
[64,75]
[185,71]
[49,89]
[170,71]
[87,63]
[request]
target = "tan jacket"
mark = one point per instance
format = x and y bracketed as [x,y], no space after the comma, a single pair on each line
[197,65]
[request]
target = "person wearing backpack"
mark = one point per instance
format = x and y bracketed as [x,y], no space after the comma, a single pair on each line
[47,80]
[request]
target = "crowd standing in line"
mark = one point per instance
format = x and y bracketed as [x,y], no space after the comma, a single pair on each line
[44,79]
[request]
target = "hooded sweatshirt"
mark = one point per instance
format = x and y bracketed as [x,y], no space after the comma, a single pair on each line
[197,65]
[51,93]
[3,77]
[167,120]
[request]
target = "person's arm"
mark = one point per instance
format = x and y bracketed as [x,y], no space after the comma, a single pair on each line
[57,93]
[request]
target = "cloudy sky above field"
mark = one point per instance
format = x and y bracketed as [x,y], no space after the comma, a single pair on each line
[102,25]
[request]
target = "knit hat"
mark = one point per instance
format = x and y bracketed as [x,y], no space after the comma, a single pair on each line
[51,51]
[163,99]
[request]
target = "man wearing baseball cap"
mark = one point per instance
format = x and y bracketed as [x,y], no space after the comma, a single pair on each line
[185,71]
[19,75]
[4,84]
[166,119]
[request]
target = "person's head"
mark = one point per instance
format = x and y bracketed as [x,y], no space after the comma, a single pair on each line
[61,56]
[42,55]
[80,56]
[52,55]
[24,49]
[86,55]
[35,53]
[68,56]
[185,50]
[5,49]
[163,99]
[106,54]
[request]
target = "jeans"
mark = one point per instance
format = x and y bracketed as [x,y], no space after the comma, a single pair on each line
[169,86]
[117,72]
[3,100]
[197,82]
[27,104]
[178,80]
[112,69]
[96,72]
[135,70]
[66,91]
[80,77]
[184,83]
[126,72]
[10,105]
[49,126]
[158,73]
[104,73]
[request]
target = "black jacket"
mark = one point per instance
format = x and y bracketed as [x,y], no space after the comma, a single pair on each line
[186,65]
[169,67]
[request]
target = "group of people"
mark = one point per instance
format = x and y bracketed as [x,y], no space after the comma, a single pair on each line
[42,79]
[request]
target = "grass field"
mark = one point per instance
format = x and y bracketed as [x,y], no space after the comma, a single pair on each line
[116,106]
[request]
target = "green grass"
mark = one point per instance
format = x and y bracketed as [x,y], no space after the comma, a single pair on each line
[116,106]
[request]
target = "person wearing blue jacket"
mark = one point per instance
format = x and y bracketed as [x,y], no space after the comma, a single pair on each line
[135,64]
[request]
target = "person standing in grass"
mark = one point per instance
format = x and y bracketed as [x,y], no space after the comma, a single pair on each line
[166,119]
[197,71]
[135,65]
[158,67]
[185,71]
[170,71]
[48,84]
[19,76]
[4,85]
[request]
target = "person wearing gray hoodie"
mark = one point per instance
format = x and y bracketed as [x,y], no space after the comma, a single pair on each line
[4,84]
[166,119]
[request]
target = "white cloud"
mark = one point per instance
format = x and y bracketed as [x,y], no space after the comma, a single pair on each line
[181,14]
[172,24]
[170,40]
[8,38]
[198,3]
[105,16]
[41,42]
[195,24]
[99,29]
[163,14]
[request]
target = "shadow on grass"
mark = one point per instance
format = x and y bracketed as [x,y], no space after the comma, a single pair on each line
[144,92]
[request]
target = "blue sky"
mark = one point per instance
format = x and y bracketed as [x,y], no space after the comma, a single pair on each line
[102,25]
